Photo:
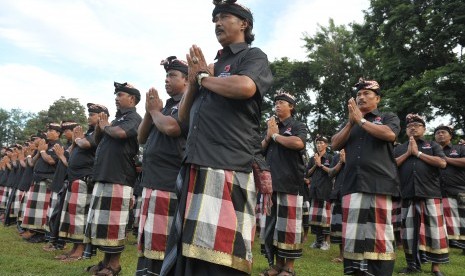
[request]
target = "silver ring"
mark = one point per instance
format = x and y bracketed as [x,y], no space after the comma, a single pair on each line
[195,60]
[151,97]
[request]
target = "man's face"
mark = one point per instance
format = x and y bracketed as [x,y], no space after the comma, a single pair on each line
[229,29]
[321,146]
[52,135]
[68,133]
[124,100]
[415,129]
[442,137]
[367,100]
[282,108]
[92,119]
[175,82]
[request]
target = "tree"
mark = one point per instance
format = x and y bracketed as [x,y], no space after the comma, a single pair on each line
[413,50]
[61,110]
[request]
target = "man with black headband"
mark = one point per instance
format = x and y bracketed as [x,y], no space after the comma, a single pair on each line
[284,140]
[223,106]
[453,186]
[45,160]
[114,174]
[423,229]
[164,138]
[320,189]
[370,182]
[79,190]
[58,187]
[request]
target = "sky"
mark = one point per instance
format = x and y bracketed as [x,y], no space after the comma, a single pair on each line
[77,48]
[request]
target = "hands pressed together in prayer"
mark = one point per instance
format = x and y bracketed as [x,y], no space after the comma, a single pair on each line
[197,64]
[153,101]
[355,115]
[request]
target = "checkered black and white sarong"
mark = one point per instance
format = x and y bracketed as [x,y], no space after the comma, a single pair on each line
[367,233]
[38,200]
[108,217]
[75,210]
[336,222]
[51,207]
[424,232]
[454,214]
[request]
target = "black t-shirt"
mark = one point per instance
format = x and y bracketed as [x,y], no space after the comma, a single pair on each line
[42,169]
[3,177]
[286,165]
[338,179]
[417,178]
[81,161]
[11,181]
[114,158]
[453,177]
[163,154]
[224,133]
[60,175]
[320,185]
[26,178]
[370,164]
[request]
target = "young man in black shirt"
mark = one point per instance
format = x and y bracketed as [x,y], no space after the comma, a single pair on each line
[164,137]
[285,139]
[223,105]
[79,190]
[423,229]
[320,189]
[114,174]
[370,181]
[453,186]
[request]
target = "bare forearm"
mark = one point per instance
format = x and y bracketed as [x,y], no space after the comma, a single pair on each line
[165,124]
[339,140]
[47,158]
[115,132]
[458,162]
[381,132]
[233,87]
[290,142]
[435,161]
[186,102]
[144,128]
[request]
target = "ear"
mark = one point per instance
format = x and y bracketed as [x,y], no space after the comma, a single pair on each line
[244,24]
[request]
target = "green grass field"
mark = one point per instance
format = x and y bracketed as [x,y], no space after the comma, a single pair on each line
[18,257]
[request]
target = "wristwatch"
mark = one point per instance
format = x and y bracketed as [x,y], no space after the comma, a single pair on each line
[200,77]
[362,121]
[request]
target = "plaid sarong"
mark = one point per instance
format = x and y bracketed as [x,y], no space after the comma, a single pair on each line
[136,212]
[156,216]
[306,214]
[108,216]
[3,197]
[219,219]
[16,205]
[38,200]
[23,205]
[53,202]
[74,212]
[455,222]
[424,233]
[336,222]
[320,217]
[287,237]
[367,233]
[397,214]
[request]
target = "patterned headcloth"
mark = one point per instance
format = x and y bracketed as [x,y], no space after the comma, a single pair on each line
[413,117]
[446,128]
[367,84]
[285,97]
[68,125]
[173,63]
[123,87]
[97,108]
[230,6]
[55,126]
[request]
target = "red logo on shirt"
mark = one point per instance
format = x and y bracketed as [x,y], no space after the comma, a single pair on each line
[426,146]
[377,121]
[227,68]
[454,152]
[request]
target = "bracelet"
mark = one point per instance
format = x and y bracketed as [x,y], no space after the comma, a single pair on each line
[42,151]
[29,156]
[77,139]
[274,136]
[419,154]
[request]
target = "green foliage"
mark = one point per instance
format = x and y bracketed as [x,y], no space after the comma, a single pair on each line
[12,124]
